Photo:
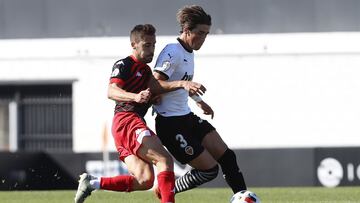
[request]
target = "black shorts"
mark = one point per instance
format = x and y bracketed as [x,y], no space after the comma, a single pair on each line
[182,135]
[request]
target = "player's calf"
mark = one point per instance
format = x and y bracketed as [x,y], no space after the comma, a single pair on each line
[165,188]
[195,178]
[231,171]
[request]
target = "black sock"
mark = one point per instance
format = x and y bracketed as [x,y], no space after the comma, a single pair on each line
[231,171]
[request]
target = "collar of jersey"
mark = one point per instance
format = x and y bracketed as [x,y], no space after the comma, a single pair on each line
[135,59]
[182,44]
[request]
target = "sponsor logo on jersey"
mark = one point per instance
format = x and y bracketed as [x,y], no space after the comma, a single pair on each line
[187,77]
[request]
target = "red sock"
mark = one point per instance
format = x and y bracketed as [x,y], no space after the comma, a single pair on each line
[117,183]
[166,184]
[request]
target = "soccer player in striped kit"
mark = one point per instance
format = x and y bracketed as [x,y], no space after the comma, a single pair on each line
[190,139]
[131,87]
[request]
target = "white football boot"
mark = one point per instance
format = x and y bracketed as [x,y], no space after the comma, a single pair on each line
[84,189]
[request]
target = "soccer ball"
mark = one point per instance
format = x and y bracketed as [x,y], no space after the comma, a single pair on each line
[244,196]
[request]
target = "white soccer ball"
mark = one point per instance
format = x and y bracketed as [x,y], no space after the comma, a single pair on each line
[244,196]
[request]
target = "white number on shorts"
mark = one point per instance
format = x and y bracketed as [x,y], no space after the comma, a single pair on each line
[182,141]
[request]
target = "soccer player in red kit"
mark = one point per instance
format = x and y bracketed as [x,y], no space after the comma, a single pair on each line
[131,86]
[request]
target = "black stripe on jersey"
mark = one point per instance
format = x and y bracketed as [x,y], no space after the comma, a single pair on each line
[129,86]
[132,71]
[143,83]
[139,83]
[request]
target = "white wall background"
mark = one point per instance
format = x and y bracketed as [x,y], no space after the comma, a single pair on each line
[267,90]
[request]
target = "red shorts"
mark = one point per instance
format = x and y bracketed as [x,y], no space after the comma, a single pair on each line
[128,130]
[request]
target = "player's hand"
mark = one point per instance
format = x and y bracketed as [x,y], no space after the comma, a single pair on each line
[143,96]
[194,87]
[206,108]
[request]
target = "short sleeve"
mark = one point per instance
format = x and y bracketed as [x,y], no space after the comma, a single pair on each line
[167,61]
[120,73]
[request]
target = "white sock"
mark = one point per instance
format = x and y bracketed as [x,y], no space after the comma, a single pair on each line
[95,183]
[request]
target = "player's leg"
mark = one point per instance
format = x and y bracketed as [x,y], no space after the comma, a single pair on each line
[124,133]
[142,172]
[152,151]
[141,176]
[214,144]
[147,146]
[227,160]
[121,183]
[204,170]
[176,134]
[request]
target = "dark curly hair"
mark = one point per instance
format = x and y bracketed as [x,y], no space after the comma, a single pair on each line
[190,16]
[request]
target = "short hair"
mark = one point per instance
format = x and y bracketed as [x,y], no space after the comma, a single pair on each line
[190,16]
[138,32]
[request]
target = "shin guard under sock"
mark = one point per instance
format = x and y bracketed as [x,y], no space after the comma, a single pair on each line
[122,183]
[166,184]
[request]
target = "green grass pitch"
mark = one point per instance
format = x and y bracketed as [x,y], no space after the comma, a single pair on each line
[267,195]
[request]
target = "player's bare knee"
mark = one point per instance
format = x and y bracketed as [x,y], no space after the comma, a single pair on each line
[148,184]
[167,162]
[145,181]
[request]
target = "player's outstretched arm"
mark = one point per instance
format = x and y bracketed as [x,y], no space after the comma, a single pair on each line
[202,104]
[159,85]
[206,108]
[116,93]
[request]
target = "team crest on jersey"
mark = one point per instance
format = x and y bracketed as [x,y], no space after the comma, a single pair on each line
[138,74]
[189,150]
[166,65]
[115,72]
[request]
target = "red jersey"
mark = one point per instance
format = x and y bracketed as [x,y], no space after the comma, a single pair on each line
[132,76]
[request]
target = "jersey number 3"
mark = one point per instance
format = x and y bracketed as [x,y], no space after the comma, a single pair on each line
[182,141]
